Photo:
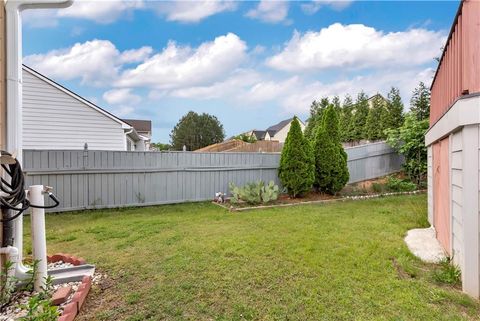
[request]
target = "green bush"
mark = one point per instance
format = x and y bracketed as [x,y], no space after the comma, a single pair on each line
[254,193]
[399,185]
[447,273]
[297,168]
[331,171]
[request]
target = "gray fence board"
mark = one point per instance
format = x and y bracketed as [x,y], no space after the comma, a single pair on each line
[104,179]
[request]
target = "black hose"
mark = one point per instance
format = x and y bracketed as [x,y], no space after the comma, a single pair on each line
[14,198]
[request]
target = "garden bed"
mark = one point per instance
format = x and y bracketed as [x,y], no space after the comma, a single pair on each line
[379,187]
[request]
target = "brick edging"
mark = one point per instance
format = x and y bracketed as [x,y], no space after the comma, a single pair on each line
[72,309]
[66,258]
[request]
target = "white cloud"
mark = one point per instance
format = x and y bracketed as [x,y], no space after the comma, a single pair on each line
[177,66]
[123,111]
[315,5]
[136,55]
[270,11]
[105,11]
[193,11]
[122,96]
[357,46]
[94,62]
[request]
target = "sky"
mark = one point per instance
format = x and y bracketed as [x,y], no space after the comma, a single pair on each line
[249,63]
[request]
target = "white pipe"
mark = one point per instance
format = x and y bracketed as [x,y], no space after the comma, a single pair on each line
[39,243]
[14,66]
[18,269]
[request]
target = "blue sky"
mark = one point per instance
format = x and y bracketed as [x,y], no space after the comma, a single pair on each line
[249,63]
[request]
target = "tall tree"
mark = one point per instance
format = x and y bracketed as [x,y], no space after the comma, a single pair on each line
[196,131]
[297,168]
[316,114]
[331,171]
[374,126]
[360,117]
[393,118]
[420,102]
[346,119]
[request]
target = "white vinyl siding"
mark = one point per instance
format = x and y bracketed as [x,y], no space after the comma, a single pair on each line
[430,184]
[456,160]
[52,119]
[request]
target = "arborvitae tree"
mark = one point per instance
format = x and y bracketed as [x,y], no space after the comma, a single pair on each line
[420,102]
[297,168]
[316,114]
[360,117]
[393,118]
[346,119]
[337,104]
[331,171]
[374,127]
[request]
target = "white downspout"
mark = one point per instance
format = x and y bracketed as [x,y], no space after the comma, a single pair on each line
[14,67]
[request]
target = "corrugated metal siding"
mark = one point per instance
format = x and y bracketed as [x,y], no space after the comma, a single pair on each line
[53,119]
[459,69]
[457,197]
[96,179]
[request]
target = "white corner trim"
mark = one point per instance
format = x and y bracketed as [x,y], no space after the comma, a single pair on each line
[464,112]
[76,96]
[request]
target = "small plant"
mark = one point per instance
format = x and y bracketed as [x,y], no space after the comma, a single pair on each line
[270,192]
[7,285]
[254,193]
[39,306]
[447,272]
[377,187]
[398,185]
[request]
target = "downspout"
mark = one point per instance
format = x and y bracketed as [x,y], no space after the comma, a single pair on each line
[13,142]
[14,66]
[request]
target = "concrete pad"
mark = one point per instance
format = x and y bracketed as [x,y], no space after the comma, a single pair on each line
[423,244]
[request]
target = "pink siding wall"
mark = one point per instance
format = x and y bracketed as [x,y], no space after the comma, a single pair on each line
[459,69]
[441,193]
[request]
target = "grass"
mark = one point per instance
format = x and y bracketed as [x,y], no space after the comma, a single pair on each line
[341,261]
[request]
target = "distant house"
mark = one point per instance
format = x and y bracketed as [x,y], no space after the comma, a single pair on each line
[54,117]
[144,130]
[277,132]
[371,99]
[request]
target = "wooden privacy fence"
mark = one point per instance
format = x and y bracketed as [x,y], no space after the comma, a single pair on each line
[102,179]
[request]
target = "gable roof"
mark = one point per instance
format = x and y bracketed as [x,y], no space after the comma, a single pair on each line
[77,97]
[140,125]
[272,130]
[259,134]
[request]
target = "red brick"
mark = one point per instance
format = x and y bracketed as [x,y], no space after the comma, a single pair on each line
[58,257]
[71,308]
[87,280]
[81,261]
[67,317]
[80,296]
[49,259]
[61,295]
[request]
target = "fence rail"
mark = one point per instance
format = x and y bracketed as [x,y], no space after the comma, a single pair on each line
[102,179]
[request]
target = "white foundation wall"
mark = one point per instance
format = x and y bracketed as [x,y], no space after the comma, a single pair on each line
[461,125]
[456,181]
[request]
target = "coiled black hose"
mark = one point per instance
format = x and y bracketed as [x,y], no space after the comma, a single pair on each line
[14,197]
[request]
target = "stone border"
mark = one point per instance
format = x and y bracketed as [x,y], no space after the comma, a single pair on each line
[72,309]
[340,199]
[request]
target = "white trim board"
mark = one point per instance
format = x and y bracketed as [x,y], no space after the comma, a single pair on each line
[464,112]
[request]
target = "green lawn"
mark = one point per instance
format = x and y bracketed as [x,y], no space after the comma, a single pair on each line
[341,261]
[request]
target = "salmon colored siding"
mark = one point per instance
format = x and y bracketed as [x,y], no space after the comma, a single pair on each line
[459,69]
[441,193]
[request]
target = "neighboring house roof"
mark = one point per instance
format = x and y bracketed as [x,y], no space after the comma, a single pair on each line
[272,130]
[259,134]
[74,95]
[140,125]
